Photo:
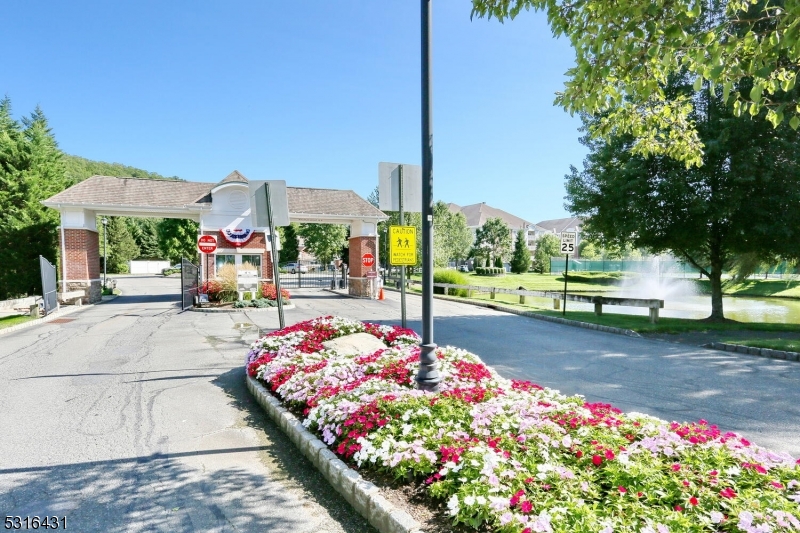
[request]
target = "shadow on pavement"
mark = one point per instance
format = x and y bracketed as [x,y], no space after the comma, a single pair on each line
[287,458]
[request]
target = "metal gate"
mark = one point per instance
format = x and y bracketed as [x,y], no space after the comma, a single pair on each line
[190,279]
[310,274]
[49,285]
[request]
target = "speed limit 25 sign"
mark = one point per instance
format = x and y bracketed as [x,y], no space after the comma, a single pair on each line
[568,242]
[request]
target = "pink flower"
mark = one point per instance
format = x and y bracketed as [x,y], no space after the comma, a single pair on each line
[526,507]
[675,467]
[622,489]
[609,455]
[678,508]
[727,493]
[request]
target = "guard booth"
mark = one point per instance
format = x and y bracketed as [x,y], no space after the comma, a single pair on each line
[221,210]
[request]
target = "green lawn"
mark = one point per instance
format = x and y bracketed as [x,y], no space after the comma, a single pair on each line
[787,345]
[8,321]
[540,282]
[763,287]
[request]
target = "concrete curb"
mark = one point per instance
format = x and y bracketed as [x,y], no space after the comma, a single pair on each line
[66,310]
[531,314]
[749,350]
[237,310]
[364,496]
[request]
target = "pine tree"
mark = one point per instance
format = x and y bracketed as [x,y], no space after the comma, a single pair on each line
[121,245]
[31,170]
[521,260]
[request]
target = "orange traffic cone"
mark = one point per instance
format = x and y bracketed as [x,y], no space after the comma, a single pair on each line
[381,296]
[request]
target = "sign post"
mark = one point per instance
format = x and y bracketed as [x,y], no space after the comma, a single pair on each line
[207,244]
[567,248]
[402,252]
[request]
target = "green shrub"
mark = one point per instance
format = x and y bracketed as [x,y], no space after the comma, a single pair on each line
[247,296]
[452,277]
[239,304]
[489,271]
[498,262]
[260,302]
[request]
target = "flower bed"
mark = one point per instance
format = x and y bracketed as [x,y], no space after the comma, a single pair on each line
[511,456]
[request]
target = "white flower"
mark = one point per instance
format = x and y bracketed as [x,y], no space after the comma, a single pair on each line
[716,517]
[469,500]
[452,505]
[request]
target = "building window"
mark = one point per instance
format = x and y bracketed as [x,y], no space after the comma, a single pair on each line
[250,262]
[222,260]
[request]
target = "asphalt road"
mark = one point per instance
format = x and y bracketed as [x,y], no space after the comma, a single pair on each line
[133,416]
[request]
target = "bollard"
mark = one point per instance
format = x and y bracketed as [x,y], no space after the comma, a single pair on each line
[35,311]
[556,304]
[491,295]
[521,296]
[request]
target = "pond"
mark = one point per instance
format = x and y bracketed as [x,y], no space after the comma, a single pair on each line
[680,301]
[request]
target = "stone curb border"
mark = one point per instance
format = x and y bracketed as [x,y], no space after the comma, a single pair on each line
[749,350]
[66,310]
[237,310]
[363,495]
[531,314]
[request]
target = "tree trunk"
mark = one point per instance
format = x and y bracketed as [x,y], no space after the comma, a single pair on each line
[716,289]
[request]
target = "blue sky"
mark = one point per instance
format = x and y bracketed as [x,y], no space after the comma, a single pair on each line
[311,91]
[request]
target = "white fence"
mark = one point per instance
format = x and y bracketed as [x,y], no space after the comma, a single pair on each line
[147,267]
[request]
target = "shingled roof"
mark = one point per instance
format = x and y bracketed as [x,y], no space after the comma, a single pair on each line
[110,191]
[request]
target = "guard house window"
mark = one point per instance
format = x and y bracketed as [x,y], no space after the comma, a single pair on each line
[251,262]
[223,260]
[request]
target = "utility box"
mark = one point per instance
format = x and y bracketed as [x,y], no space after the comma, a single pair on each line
[247,281]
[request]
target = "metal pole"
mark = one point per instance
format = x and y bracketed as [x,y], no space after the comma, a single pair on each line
[274,251]
[403,267]
[105,252]
[566,273]
[428,377]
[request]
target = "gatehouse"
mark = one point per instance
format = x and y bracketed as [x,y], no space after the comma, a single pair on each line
[221,210]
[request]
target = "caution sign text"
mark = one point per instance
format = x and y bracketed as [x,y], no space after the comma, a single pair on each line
[402,245]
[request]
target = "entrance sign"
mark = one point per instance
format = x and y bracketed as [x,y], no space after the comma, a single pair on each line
[367,260]
[402,245]
[568,242]
[390,176]
[372,274]
[279,203]
[207,244]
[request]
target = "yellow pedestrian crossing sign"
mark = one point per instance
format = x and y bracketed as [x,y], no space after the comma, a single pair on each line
[402,245]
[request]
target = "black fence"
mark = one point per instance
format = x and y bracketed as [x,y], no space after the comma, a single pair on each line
[190,279]
[49,285]
[309,274]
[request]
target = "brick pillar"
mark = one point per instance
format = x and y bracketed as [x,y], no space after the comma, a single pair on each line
[81,254]
[358,283]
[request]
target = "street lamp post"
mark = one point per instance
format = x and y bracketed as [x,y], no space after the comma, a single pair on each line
[428,377]
[105,255]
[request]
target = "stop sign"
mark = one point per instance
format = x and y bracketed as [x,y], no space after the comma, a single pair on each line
[207,244]
[367,260]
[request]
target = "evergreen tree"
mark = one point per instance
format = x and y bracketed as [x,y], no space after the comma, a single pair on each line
[290,244]
[121,245]
[31,170]
[177,238]
[521,260]
[145,233]
[547,246]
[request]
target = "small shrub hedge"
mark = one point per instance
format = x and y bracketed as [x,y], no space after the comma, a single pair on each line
[599,278]
[491,271]
[452,277]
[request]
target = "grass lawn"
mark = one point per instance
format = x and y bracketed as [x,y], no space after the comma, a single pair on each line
[638,323]
[8,321]
[762,287]
[787,345]
[540,282]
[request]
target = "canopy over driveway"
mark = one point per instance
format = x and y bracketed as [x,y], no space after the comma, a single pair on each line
[221,209]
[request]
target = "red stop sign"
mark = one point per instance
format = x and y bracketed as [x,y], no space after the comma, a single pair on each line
[367,260]
[207,244]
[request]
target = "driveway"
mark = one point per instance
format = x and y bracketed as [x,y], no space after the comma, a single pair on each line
[131,416]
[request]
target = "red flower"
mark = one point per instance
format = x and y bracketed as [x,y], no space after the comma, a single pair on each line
[693,500]
[675,467]
[727,493]
[622,489]
[597,460]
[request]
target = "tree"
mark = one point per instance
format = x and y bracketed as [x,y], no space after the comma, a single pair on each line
[589,250]
[290,244]
[324,241]
[744,199]
[177,238]
[626,51]
[493,239]
[451,236]
[145,233]
[521,260]
[122,246]
[31,170]
[547,246]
